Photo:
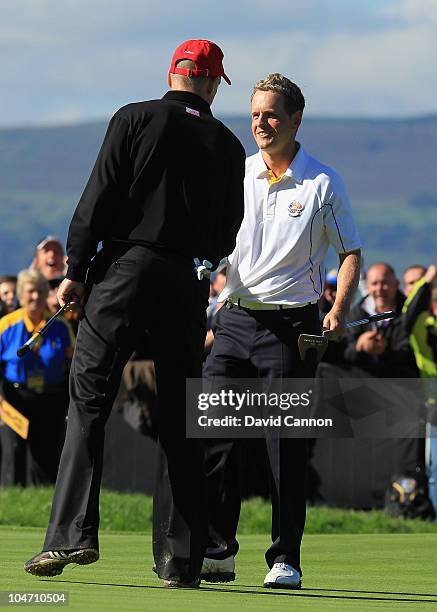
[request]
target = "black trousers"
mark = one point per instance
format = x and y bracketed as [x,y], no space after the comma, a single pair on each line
[131,290]
[267,341]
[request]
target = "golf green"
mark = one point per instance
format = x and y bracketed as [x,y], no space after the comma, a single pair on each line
[341,572]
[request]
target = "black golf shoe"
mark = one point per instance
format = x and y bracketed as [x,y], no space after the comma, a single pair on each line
[52,562]
[176,583]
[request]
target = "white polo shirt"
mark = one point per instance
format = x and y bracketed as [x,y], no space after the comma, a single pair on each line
[286,231]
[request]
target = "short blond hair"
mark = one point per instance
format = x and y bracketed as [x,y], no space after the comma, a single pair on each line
[32,276]
[293,97]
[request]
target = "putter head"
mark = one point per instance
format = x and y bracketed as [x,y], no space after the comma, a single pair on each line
[312,348]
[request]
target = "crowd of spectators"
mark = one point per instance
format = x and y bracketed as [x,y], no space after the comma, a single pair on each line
[404,347]
[33,390]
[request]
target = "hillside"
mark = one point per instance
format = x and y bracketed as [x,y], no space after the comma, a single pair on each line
[388,167]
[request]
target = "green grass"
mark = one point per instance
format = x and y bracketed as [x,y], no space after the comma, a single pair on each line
[122,512]
[341,572]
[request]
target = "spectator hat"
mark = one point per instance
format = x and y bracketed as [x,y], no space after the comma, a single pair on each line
[331,277]
[206,55]
[47,240]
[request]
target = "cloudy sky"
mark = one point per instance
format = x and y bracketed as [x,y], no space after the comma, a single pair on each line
[74,60]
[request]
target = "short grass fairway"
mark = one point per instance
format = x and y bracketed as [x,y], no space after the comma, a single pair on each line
[342,572]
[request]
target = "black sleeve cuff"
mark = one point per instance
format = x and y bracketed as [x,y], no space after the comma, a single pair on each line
[77,272]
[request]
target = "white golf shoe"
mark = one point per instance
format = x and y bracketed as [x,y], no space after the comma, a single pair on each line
[283,576]
[218,570]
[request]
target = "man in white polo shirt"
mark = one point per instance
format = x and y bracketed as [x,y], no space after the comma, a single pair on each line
[295,207]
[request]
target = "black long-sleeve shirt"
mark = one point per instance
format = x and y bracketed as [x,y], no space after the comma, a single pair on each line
[170,176]
[397,361]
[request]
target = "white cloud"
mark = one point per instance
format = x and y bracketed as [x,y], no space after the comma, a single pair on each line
[67,113]
[387,73]
[82,59]
[412,11]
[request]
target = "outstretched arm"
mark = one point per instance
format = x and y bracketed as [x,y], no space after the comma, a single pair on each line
[419,299]
[347,283]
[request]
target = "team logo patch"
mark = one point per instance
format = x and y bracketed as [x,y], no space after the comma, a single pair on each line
[295,209]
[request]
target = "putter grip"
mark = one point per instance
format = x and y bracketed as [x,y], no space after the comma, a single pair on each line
[381,316]
[23,350]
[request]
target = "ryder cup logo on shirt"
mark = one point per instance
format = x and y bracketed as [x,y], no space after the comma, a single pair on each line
[295,209]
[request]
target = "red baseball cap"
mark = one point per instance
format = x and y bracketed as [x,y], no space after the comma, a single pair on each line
[206,55]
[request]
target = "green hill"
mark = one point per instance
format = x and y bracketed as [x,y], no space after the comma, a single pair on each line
[388,167]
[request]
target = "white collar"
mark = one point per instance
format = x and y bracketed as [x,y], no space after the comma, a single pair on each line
[295,171]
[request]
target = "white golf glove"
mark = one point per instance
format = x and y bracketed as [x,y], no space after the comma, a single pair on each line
[204,269]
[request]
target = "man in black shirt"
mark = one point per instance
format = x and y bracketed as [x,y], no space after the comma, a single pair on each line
[167,187]
[384,350]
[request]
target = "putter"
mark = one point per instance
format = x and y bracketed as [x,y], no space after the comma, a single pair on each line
[27,346]
[311,346]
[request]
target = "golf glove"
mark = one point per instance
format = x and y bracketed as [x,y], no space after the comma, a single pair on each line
[204,269]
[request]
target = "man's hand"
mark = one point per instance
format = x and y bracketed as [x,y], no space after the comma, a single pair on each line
[379,346]
[70,291]
[204,269]
[333,325]
[372,343]
[431,274]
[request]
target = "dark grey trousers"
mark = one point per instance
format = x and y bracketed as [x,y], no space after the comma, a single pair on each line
[264,342]
[132,290]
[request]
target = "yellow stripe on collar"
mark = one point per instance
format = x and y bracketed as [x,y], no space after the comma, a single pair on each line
[31,328]
[272,178]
